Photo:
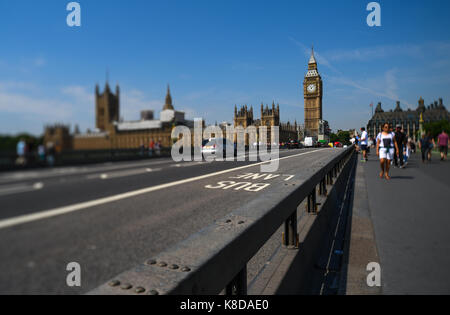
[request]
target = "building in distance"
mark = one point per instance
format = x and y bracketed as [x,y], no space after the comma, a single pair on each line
[410,120]
[270,117]
[112,133]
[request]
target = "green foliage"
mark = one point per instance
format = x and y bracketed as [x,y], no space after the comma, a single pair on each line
[342,137]
[436,127]
[9,143]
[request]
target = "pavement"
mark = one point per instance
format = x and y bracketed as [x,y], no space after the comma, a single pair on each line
[410,215]
[111,217]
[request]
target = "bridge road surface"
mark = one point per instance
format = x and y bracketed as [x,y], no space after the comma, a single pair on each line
[411,218]
[110,236]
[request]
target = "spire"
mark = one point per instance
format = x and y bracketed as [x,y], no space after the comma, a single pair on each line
[168,103]
[398,108]
[107,79]
[421,106]
[312,59]
[379,109]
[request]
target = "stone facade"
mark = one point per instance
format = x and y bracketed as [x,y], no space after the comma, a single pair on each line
[408,119]
[270,116]
[111,133]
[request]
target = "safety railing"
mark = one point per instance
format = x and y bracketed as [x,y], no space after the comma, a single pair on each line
[216,257]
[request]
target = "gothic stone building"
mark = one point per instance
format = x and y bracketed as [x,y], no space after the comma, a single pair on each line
[111,133]
[269,117]
[313,91]
[408,119]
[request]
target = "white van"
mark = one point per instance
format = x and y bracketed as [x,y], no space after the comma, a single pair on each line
[310,142]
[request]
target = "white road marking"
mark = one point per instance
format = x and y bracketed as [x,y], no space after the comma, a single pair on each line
[123,173]
[29,175]
[15,189]
[84,205]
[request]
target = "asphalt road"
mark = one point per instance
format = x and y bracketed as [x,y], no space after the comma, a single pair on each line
[411,218]
[110,217]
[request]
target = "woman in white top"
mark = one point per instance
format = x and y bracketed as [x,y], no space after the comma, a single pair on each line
[386,148]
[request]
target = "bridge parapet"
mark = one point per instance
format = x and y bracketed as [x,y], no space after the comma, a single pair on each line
[216,257]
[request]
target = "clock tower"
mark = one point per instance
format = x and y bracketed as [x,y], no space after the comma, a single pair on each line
[312,91]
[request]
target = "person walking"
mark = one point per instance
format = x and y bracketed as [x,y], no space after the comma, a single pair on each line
[407,151]
[41,153]
[51,153]
[21,150]
[158,147]
[432,145]
[400,138]
[151,147]
[443,145]
[386,148]
[424,146]
[364,143]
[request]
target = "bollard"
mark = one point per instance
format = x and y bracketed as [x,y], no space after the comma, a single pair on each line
[323,187]
[238,286]
[290,236]
[311,206]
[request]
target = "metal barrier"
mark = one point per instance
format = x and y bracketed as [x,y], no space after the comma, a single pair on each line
[80,157]
[216,258]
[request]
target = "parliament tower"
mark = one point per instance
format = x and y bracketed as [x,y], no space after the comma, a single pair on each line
[107,107]
[312,91]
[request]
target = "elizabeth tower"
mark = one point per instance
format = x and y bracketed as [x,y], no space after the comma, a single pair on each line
[312,91]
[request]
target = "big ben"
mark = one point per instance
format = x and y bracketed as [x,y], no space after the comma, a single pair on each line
[312,91]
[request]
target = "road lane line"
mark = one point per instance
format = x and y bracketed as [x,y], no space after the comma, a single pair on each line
[47,174]
[15,189]
[120,174]
[80,206]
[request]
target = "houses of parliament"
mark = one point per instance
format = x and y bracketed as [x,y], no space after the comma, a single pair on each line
[112,133]
[314,125]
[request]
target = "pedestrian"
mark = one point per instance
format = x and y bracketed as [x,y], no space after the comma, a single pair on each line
[158,147]
[400,137]
[432,145]
[142,149]
[41,153]
[386,148]
[51,152]
[357,143]
[424,146]
[407,151]
[364,143]
[443,145]
[151,147]
[21,150]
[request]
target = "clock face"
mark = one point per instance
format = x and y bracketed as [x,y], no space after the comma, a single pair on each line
[311,88]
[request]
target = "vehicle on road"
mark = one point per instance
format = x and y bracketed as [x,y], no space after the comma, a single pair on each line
[294,144]
[213,146]
[310,142]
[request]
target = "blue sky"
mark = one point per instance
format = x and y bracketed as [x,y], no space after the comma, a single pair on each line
[216,54]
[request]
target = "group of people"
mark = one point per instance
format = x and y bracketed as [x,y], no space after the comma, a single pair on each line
[26,153]
[153,148]
[427,143]
[395,147]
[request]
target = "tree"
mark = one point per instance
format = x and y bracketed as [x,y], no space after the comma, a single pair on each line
[333,137]
[435,128]
[342,137]
[9,143]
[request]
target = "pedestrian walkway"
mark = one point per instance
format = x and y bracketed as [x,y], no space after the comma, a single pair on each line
[411,220]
